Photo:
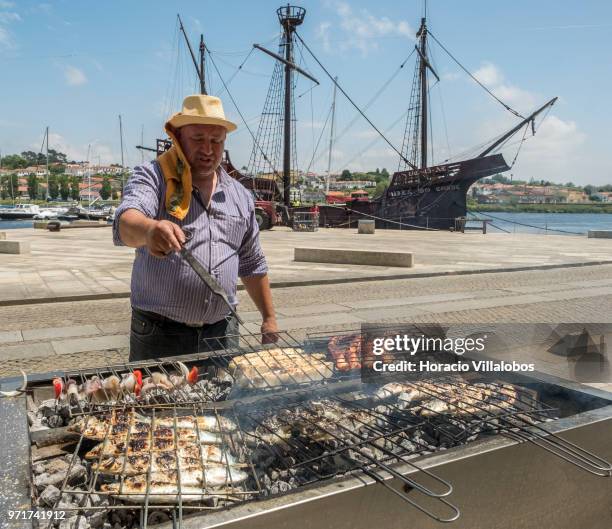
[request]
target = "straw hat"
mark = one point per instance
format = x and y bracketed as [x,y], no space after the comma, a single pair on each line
[201,110]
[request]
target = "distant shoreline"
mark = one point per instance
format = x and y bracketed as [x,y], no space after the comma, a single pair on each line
[542,208]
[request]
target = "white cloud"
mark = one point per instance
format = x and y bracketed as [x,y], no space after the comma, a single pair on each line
[488,74]
[492,77]
[74,76]
[6,17]
[555,153]
[78,152]
[6,40]
[357,29]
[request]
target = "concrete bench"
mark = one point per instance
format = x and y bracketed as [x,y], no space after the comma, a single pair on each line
[600,234]
[356,257]
[365,226]
[57,225]
[14,247]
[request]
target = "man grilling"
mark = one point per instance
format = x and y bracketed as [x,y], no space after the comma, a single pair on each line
[185,197]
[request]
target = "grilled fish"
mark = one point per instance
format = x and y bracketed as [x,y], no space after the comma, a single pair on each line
[113,448]
[162,462]
[195,485]
[120,422]
[159,493]
[274,367]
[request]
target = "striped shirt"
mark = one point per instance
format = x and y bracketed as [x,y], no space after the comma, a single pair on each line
[225,241]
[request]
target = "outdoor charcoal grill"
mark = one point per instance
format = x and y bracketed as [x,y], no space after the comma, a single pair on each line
[327,452]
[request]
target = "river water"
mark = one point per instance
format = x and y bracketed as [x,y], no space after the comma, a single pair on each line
[565,223]
[559,223]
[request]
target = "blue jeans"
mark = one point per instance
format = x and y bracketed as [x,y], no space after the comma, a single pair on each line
[153,336]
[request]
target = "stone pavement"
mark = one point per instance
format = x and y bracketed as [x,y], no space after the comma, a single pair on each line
[84,334]
[83,263]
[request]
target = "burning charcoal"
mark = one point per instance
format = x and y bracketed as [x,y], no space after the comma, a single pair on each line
[107,526]
[66,505]
[38,468]
[50,495]
[43,480]
[75,522]
[48,408]
[97,519]
[55,421]
[158,517]
[99,501]
[283,486]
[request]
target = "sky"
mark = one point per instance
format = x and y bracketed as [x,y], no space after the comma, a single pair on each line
[76,65]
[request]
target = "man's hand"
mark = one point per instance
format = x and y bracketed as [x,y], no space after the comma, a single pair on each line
[269,331]
[164,237]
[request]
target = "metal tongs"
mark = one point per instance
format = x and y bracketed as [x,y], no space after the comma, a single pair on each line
[205,276]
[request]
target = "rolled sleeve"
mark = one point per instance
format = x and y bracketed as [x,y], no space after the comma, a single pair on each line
[141,192]
[252,261]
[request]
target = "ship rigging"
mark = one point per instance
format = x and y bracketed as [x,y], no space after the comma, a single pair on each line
[420,194]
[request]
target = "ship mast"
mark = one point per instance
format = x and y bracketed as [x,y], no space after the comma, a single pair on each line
[290,17]
[199,68]
[422,35]
[331,136]
[281,86]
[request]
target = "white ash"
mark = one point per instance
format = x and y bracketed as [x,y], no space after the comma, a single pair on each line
[50,413]
[50,496]
[56,472]
[74,522]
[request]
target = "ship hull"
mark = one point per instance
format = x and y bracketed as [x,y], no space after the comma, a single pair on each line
[430,198]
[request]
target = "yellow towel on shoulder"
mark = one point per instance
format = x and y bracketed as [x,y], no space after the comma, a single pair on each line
[177,175]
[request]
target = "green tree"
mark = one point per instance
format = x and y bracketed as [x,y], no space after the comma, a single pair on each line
[33,158]
[380,188]
[105,190]
[32,186]
[57,169]
[53,187]
[14,161]
[75,192]
[589,190]
[346,175]
[64,187]
[384,173]
[9,185]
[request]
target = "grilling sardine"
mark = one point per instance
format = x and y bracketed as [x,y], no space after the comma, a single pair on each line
[162,462]
[195,485]
[119,423]
[113,448]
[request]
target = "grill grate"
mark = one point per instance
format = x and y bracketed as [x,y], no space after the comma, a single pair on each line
[278,429]
[288,364]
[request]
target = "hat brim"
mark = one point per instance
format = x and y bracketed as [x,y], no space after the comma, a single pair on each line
[180,120]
